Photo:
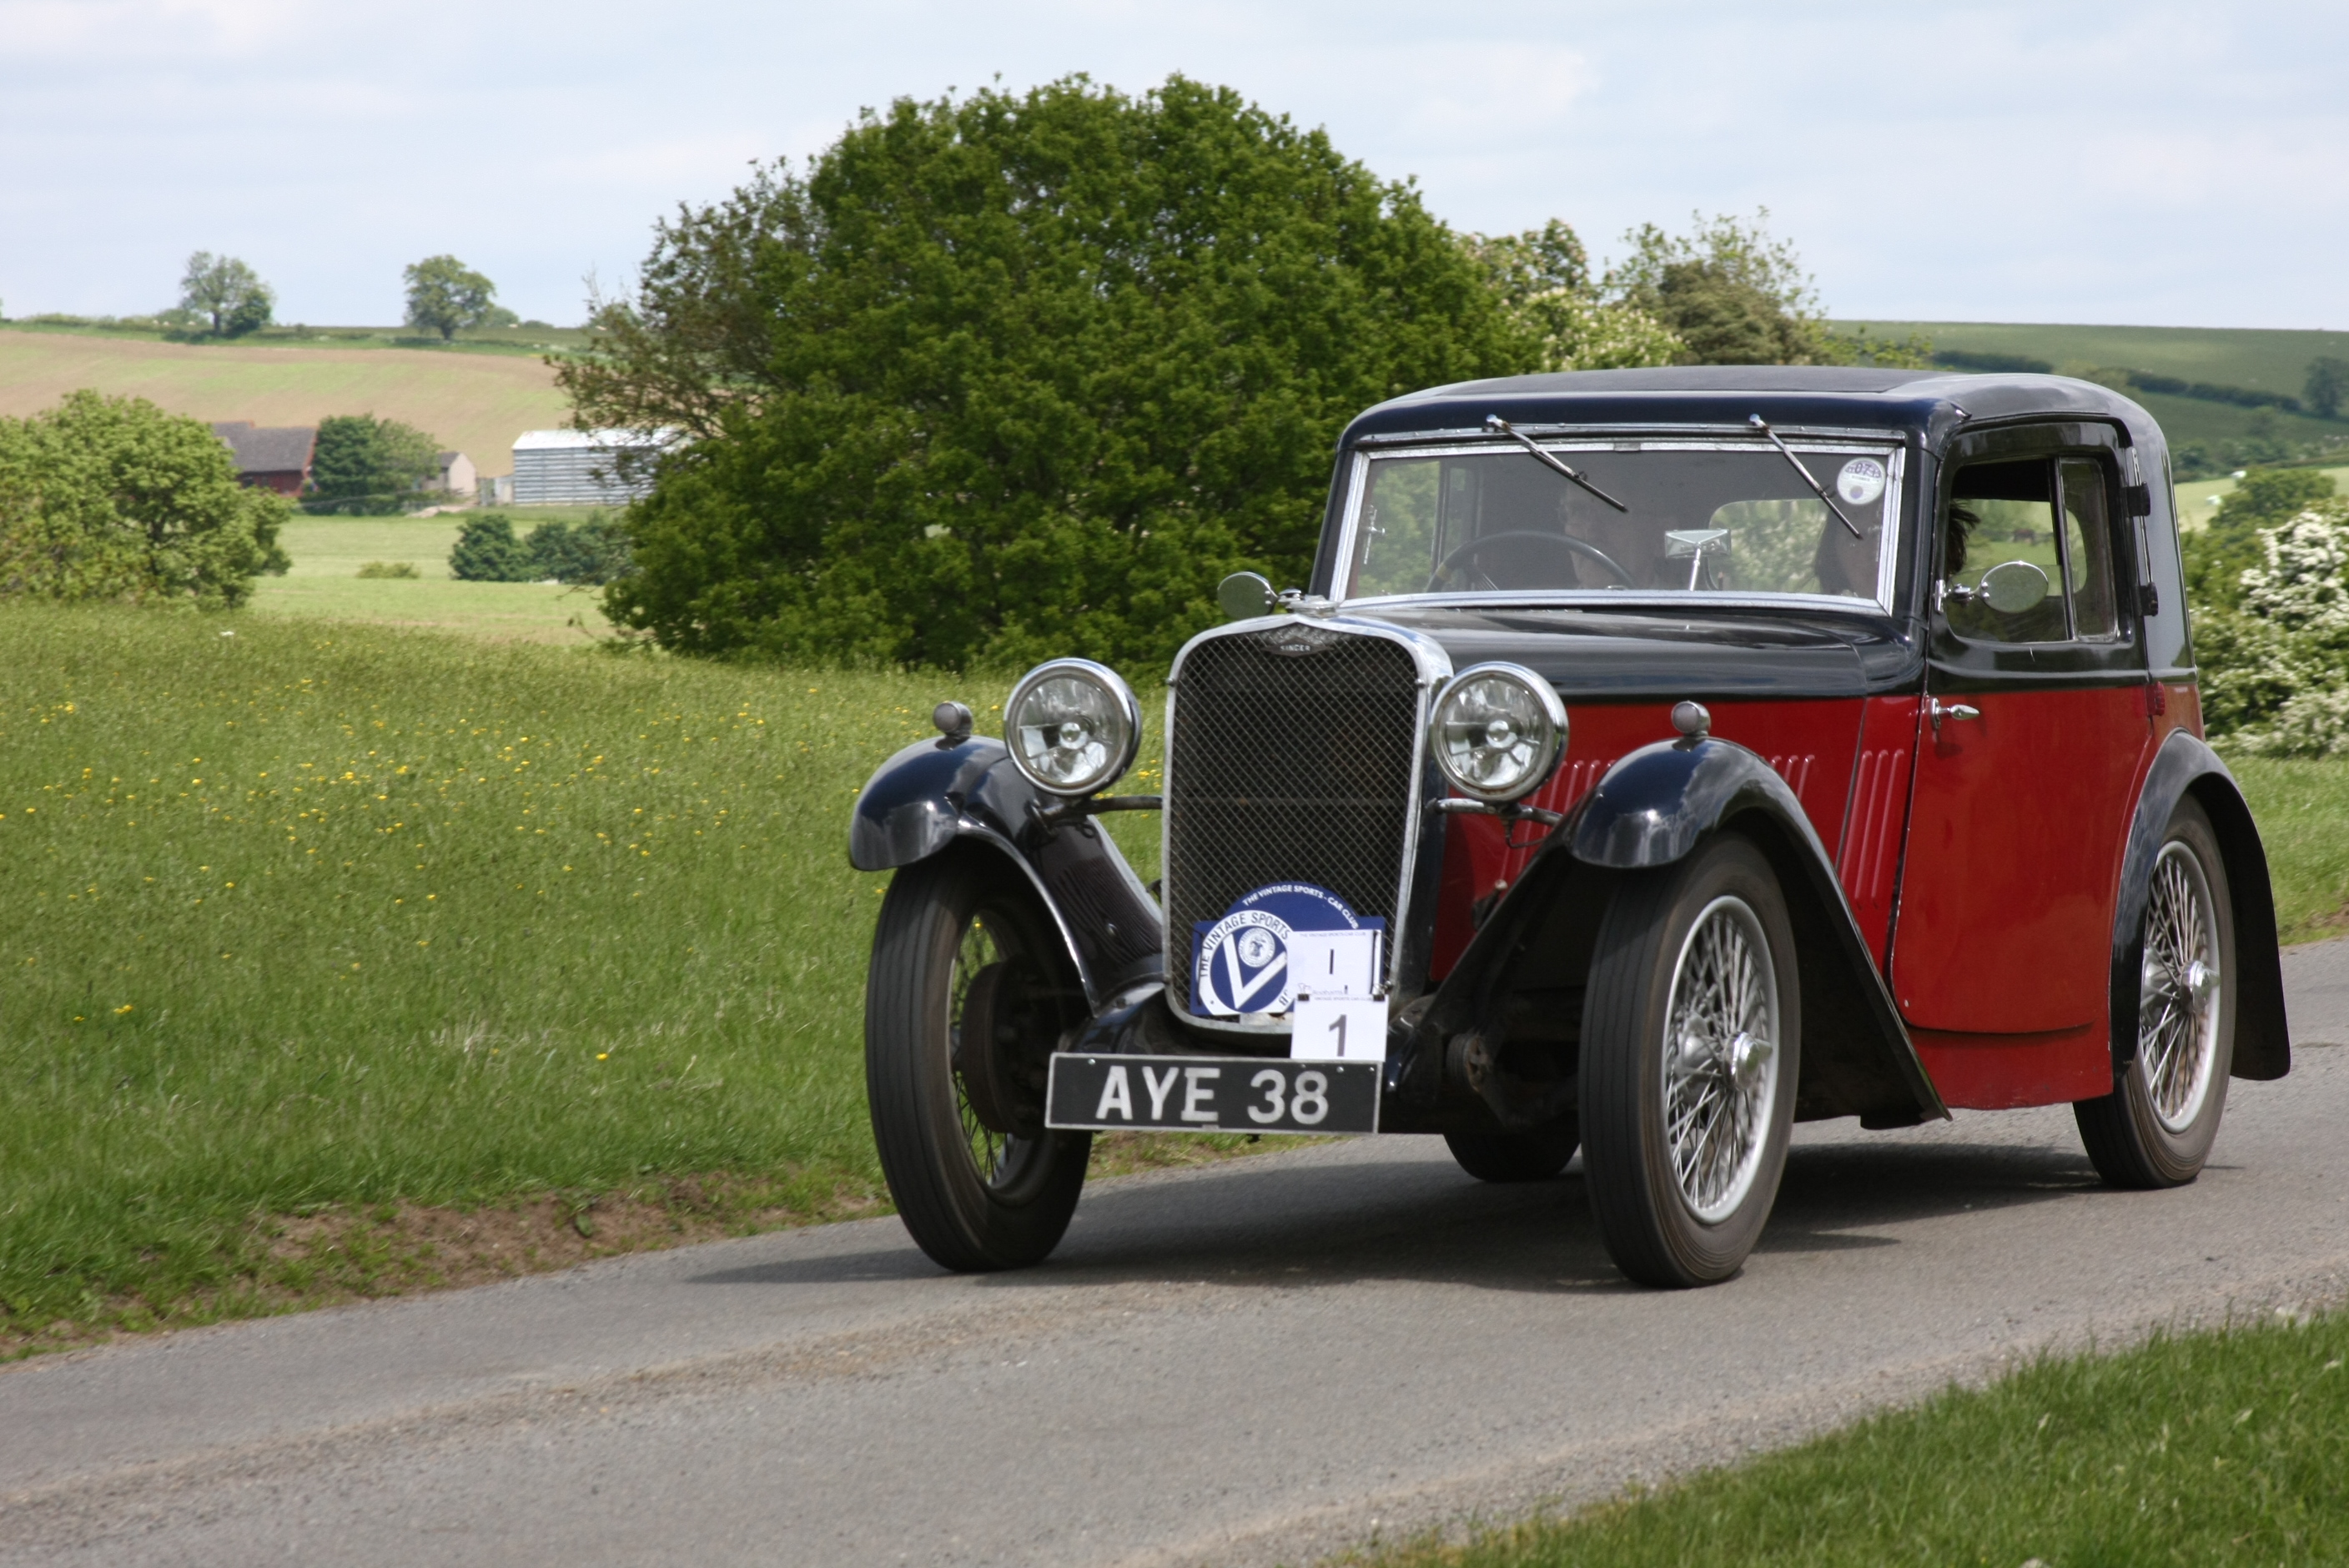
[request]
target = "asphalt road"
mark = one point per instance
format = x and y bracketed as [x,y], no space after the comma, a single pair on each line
[1254,1363]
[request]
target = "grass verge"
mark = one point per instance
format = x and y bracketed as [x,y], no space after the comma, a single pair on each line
[314,920]
[2303,807]
[2209,1448]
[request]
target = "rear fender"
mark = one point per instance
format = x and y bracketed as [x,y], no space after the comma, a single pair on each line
[935,794]
[1653,808]
[2186,766]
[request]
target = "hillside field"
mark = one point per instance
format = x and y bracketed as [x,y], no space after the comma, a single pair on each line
[475,403]
[2267,361]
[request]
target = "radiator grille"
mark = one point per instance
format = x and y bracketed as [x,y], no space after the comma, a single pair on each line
[1291,761]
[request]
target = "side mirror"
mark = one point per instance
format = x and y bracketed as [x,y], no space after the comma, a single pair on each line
[1244,595]
[2011,587]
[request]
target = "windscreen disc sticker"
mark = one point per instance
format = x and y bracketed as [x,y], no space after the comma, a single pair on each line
[1240,963]
[1861,481]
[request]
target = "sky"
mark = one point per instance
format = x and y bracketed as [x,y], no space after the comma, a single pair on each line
[2181,165]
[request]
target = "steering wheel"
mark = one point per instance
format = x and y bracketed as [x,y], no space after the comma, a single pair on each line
[1567,541]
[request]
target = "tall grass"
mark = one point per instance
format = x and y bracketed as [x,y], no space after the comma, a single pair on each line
[305,914]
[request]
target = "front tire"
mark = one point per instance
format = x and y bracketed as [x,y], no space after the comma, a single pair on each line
[1690,1050]
[974,1199]
[2155,1129]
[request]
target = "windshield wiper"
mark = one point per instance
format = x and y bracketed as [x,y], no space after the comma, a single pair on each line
[1550,459]
[1759,423]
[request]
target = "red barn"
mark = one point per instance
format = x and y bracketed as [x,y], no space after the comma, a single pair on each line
[270,458]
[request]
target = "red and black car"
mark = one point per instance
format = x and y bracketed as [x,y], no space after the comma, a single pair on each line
[1657,757]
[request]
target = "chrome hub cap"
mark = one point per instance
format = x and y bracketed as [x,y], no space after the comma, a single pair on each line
[1721,1059]
[2180,989]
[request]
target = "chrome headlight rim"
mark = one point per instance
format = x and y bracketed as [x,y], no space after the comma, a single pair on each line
[1128,706]
[1547,751]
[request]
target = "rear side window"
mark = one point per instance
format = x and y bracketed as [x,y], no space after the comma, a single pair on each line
[2087,547]
[2050,517]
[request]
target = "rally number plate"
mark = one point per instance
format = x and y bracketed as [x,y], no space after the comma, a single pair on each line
[1211,1093]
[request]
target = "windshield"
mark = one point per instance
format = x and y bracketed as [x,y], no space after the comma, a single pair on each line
[1717,517]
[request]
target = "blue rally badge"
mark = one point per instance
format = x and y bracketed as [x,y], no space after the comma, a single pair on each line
[1240,963]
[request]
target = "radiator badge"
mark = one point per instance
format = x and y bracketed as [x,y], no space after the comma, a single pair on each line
[1278,941]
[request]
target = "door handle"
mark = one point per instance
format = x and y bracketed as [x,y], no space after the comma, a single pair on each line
[1953,711]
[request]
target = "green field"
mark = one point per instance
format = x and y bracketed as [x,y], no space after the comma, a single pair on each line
[2266,361]
[2198,498]
[2214,1448]
[476,403]
[331,920]
[327,554]
[523,340]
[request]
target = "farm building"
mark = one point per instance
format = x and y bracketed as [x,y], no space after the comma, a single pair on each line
[457,475]
[574,467]
[272,458]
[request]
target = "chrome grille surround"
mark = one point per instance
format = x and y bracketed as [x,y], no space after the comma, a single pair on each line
[1335,794]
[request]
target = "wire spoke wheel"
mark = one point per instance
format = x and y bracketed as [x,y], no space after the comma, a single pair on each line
[1691,1038]
[2155,1129]
[938,1015]
[2180,994]
[1720,1060]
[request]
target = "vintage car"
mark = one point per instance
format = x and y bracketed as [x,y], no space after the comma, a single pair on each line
[1657,757]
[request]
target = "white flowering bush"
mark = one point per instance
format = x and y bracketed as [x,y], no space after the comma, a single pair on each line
[1571,320]
[1578,332]
[2275,673]
[2302,585]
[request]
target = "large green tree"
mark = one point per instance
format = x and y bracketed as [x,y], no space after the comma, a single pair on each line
[1017,374]
[367,465]
[227,292]
[444,295]
[111,498]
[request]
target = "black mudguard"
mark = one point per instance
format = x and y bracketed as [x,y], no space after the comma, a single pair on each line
[1650,810]
[935,793]
[2186,766]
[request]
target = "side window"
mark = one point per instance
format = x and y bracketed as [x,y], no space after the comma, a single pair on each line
[2001,513]
[2087,548]
[2026,524]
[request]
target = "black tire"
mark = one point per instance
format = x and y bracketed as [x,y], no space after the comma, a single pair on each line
[2155,1129]
[1701,919]
[974,1199]
[1517,1156]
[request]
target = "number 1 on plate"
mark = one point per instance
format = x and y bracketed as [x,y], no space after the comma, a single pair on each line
[1338,1030]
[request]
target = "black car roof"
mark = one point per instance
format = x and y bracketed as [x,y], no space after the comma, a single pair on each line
[1931,401]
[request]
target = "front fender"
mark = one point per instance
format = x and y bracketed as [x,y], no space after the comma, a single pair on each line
[1653,805]
[935,793]
[1649,812]
[2186,766]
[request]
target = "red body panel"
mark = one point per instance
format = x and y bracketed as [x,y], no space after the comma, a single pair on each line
[1868,859]
[1810,743]
[2001,1072]
[2002,957]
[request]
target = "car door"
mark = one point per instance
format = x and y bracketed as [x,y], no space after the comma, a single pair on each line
[2037,728]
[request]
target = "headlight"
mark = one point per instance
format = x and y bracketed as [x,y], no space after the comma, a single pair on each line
[1073,727]
[1497,731]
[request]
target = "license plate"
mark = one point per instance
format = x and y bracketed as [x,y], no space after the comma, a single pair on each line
[1211,1093]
